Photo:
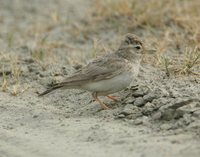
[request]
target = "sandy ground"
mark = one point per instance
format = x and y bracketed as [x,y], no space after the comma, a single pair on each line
[160,118]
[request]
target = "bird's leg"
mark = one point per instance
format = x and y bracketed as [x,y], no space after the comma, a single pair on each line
[112,98]
[94,95]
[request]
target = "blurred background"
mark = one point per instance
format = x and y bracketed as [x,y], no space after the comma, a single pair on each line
[44,41]
[65,32]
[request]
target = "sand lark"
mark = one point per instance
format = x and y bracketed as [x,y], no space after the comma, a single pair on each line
[108,74]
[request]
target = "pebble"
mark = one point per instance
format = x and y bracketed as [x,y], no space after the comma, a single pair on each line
[130,112]
[141,92]
[139,102]
[168,114]
[130,100]
[35,116]
[128,109]
[188,119]
[165,126]
[148,108]
[149,97]
[138,122]
[157,115]
[197,113]
[121,116]
[142,120]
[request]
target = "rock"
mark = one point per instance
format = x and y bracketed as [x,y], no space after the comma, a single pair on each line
[187,118]
[189,108]
[128,109]
[77,66]
[181,103]
[134,115]
[149,97]
[195,125]
[157,115]
[148,108]
[138,122]
[144,120]
[130,112]
[141,91]
[133,88]
[35,116]
[167,114]
[162,102]
[178,114]
[121,116]
[165,126]
[139,102]
[129,100]
[177,108]
[196,113]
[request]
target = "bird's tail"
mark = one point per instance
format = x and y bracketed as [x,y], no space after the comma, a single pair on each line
[50,90]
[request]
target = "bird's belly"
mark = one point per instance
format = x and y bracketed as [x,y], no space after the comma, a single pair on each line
[109,86]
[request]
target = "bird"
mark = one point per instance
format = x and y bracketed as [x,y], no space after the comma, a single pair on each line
[109,73]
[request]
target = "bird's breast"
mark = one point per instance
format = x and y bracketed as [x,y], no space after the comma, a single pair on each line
[112,85]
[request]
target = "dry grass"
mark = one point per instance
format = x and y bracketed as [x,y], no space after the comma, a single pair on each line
[170,26]
[10,69]
[151,13]
[4,85]
[189,61]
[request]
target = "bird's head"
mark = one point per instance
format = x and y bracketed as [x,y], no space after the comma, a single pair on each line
[131,47]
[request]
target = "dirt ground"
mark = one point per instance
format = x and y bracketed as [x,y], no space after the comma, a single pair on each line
[42,42]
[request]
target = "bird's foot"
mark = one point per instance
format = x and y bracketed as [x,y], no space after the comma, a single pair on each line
[112,98]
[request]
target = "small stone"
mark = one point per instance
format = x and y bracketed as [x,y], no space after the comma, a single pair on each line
[192,107]
[145,121]
[139,102]
[130,100]
[22,124]
[165,126]
[135,115]
[35,116]
[128,109]
[195,125]
[67,116]
[157,116]
[138,121]
[149,97]
[197,113]
[78,66]
[142,120]
[141,91]
[168,114]
[160,102]
[178,114]
[121,116]
[187,119]
[148,108]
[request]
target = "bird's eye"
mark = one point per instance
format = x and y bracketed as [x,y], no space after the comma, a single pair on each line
[138,47]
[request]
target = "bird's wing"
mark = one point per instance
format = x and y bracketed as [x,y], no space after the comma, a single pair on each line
[99,69]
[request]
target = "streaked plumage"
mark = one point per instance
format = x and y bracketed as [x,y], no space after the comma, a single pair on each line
[107,74]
